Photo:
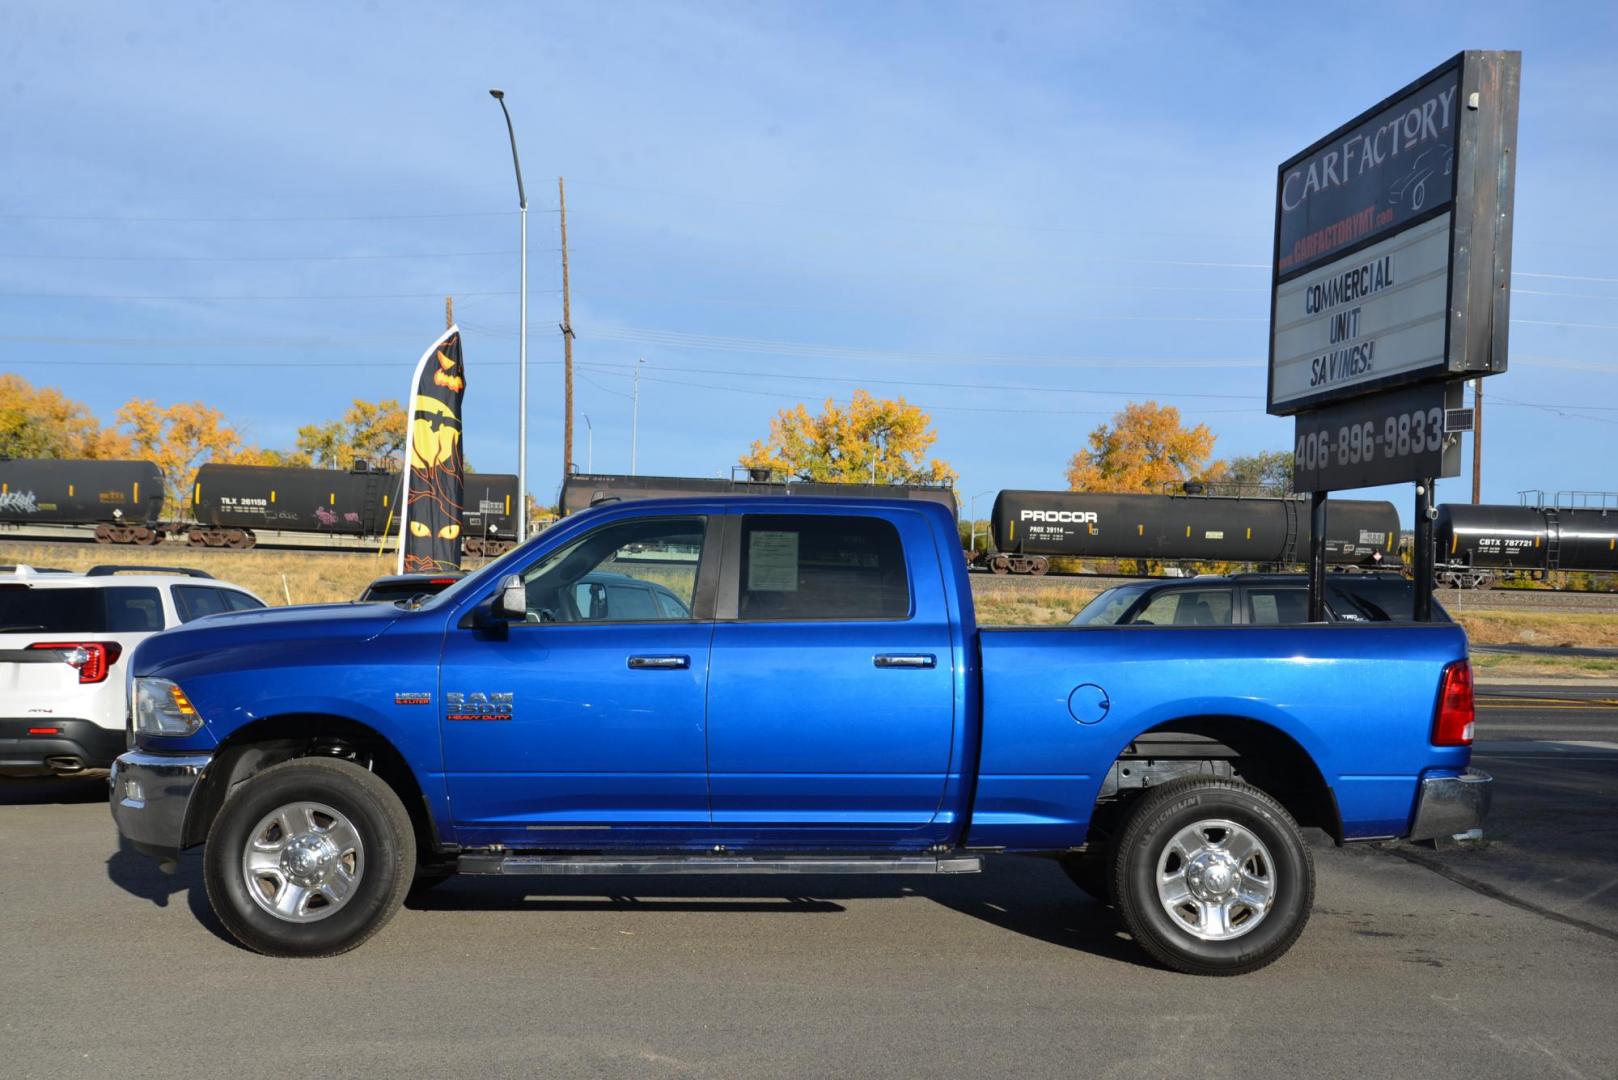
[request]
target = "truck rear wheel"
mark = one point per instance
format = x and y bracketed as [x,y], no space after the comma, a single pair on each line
[1212,877]
[309,858]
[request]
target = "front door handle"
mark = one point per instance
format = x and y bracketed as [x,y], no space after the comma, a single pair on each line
[639,663]
[906,660]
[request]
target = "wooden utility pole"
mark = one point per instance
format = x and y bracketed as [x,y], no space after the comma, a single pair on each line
[567,342]
[1477,441]
[449,312]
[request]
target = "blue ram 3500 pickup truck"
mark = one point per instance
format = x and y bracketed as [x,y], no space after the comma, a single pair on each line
[805,690]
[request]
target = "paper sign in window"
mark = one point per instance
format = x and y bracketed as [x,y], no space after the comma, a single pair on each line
[772,561]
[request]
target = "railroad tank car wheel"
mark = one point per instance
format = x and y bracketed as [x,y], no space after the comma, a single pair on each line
[473,546]
[1040,566]
[1000,564]
[252,538]
[196,538]
[309,858]
[103,534]
[237,539]
[1212,877]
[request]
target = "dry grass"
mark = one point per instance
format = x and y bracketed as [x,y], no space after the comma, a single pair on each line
[1003,603]
[1560,629]
[308,577]
[1502,666]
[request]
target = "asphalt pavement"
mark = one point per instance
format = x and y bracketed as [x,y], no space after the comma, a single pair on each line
[1499,960]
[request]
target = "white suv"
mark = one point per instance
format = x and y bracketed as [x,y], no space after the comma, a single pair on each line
[64,640]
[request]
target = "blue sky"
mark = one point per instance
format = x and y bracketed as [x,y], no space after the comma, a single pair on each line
[1022,216]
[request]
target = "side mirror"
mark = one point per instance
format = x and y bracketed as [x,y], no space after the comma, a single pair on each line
[511,602]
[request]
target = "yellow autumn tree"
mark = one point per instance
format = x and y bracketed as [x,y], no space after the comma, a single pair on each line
[870,440]
[182,436]
[1145,449]
[43,422]
[373,431]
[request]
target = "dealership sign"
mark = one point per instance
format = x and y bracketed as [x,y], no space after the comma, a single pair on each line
[1393,241]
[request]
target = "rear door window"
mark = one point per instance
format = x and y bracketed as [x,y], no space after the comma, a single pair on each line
[240,601]
[1187,607]
[195,601]
[821,567]
[1278,606]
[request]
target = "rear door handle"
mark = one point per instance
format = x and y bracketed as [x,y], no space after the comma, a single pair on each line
[638,663]
[906,660]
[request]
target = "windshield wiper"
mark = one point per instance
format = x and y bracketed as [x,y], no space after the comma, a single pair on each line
[19,629]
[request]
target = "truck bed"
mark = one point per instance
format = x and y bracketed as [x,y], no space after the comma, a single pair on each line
[1062,703]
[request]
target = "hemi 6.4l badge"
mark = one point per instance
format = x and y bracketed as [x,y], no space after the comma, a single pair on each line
[417,697]
[478,706]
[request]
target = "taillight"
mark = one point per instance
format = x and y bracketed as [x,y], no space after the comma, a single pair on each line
[1452,724]
[92,659]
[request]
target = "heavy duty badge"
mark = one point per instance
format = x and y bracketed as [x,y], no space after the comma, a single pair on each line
[478,706]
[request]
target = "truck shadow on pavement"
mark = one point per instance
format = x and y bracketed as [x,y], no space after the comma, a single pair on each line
[140,876]
[53,790]
[1026,896]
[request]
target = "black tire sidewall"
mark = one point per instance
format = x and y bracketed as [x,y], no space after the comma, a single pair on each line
[1156,822]
[389,854]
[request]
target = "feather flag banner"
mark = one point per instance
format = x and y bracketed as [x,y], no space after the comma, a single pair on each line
[430,527]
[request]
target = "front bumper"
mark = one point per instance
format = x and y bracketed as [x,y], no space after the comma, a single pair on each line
[1452,806]
[151,794]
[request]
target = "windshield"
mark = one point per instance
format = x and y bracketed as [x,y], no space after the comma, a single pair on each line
[1107,608]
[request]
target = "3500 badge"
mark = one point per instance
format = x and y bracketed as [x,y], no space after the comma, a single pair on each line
[478,705]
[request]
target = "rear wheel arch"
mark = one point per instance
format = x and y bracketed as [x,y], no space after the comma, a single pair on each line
[1257,752]
[275,739]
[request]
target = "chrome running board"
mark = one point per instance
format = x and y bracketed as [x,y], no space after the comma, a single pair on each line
[513,864]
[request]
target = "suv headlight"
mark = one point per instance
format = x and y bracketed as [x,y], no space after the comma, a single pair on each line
[161,708]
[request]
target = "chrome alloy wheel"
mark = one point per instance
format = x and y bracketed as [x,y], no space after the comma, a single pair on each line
[302,862]
[1216,880]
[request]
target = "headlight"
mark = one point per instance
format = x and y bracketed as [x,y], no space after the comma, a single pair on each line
[161,708]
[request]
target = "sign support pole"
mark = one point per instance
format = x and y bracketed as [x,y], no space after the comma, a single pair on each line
[1422,557]
[1317,556]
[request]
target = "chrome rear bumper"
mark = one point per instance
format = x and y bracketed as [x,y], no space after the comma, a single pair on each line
[1452,806]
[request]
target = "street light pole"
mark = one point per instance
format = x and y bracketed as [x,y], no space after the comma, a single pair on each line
[522,329]
[972,512]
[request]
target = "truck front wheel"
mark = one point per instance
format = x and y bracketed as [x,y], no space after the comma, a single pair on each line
[1212,877]
[309,858]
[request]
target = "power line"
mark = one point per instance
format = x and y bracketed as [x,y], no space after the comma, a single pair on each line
[756,346]
[1568,295]
[1566,325]
[250,258]
[458,293]
[160,219]
[1566,277]
[928,408]
[917,382]
[1559,410]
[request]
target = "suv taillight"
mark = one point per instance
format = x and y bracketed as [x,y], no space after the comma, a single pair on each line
[1452,723]
[93,659]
